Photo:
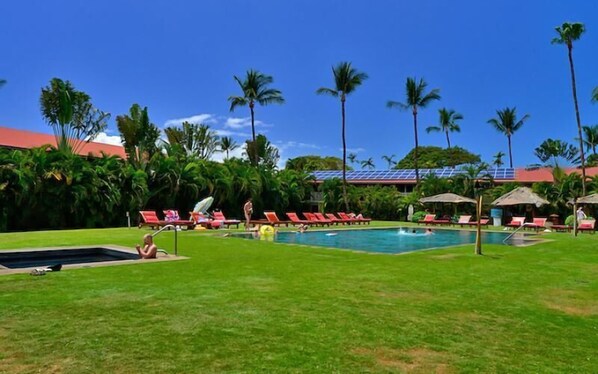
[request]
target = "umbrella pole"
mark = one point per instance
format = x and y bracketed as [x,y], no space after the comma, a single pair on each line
[478,237]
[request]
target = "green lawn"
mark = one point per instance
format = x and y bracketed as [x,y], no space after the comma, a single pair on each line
[253,306]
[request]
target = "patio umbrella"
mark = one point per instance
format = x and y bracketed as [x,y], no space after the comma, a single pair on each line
[447,198]
[204,205]
[520,196]
[590,199]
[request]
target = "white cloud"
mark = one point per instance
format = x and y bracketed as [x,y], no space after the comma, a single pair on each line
[207,119]
[239,123]
[292,144]
[231,133]
[353,150]
[108,139]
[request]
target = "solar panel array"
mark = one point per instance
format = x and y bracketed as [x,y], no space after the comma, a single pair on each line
[408,174]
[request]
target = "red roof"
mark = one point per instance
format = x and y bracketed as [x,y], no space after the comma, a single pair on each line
[545,174]
[23,139]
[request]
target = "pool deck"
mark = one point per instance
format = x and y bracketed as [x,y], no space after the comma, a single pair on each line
[160,258]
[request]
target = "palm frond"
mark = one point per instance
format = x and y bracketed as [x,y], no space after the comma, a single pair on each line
[327,91]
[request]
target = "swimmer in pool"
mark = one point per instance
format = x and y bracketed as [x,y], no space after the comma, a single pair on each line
[149,249]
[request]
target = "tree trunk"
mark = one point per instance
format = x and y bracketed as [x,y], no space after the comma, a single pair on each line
[448,141]
[415,153]
[510,152]
[478,237]
[581,153]
[344,155]
[256,156]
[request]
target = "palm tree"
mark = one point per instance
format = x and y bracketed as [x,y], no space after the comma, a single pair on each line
[255,89]
[448,123]
[416,98]
[139,135]
[507,123]
[567,33]
[346,80]
[390,160]
[498,159]
[369,163]
[591,137]
[227,144]
[554,150]
[352,158]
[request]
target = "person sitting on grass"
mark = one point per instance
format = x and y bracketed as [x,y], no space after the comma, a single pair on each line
[149,249]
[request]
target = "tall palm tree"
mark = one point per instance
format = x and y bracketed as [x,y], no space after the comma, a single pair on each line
[498,159]
[447,123]
[416,98]
[227,144]
[591,137]
[390,160]
[255,90]
[346,80]
[567,34]
[369,163]
[507,123]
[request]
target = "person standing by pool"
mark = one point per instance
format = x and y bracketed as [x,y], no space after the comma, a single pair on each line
[248,209]
[581,214]
[149,249]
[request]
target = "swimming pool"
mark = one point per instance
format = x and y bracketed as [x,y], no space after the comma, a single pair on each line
[388,240]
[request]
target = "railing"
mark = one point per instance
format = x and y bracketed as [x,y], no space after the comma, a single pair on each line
[514,232]
[175,236]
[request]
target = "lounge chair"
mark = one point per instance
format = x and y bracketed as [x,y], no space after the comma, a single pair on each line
[298,221]
[274,221]
[323,219]
[483,222]
[150,218]
[172,218]
[312,218]
[562,228]
[337,220]
[344,215]
[219,216]
[441,221]
[587,225]
[463,220]
[427,219]
[538,224]
[516,222]
[359,218]
[204,221]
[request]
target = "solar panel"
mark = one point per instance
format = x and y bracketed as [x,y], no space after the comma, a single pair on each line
[408,174]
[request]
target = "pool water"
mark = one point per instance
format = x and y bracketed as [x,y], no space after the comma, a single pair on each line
[42,258]
[387,240]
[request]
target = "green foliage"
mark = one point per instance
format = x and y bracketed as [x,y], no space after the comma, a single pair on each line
[195,140]
[72,116]
[554,150]
[262,152]
[436,157]
[139,136]
[312,163]
[419,215]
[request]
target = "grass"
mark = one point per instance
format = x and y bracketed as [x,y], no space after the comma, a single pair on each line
[253,306]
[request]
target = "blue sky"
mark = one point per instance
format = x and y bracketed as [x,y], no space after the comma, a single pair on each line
[179,57]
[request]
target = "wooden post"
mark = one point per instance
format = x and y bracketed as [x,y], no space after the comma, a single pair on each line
[478,237]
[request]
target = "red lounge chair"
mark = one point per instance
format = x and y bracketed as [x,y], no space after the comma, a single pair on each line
[427,219]
[337,220]
[587,225]
[297,221]
[200,219]
[483,222]
[219,216]
[538,224]
[273,219]
[346,217]
[323,219]
[172,218]
[150,218]
[359,219]
[463,221]
[516,222]
[313,219]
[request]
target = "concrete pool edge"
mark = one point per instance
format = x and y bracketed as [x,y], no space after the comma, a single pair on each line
[113,247]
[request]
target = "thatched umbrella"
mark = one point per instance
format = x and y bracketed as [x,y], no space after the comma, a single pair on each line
[590,199]
[447,198]
[520,196]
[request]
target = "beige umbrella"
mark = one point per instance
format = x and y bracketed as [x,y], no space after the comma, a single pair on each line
[590,199]
[447,198]
[520,196]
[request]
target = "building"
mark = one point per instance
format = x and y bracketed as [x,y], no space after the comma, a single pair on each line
[23,139]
